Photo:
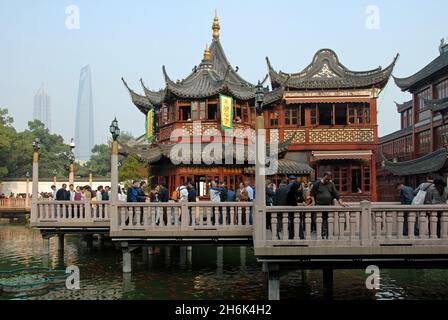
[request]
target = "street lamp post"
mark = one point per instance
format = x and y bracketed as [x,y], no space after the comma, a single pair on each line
[71,157]
[54,176]
[260,157]
[115,131]
[35,187]
[27,196]
[90,177]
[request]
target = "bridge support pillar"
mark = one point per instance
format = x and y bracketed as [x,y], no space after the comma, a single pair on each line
[183,256]
[243,258]
[219,260]
[145,254]
[127,265]
[167,256]
[46,245]
[273,281]
[328,283]
[100,241]
[61,242]
[89,240]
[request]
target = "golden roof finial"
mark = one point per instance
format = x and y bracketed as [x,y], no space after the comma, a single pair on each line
[216,26]
[207,53]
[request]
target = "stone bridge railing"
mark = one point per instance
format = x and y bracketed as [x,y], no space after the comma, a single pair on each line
[71,213]
[172,219]
[357,229]
[13,203]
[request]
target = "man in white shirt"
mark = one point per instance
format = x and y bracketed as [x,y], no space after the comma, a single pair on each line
[250,194]
[72,192]
[99,196]
[53,187]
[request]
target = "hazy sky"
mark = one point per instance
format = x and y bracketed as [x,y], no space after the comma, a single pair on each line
[134,39]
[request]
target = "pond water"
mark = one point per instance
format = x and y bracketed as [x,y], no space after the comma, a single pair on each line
[199,273]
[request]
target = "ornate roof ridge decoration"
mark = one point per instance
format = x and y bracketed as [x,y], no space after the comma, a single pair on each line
[327,72]
[436,65]
[405,105]
[429,163]
[141,102]
[437,105]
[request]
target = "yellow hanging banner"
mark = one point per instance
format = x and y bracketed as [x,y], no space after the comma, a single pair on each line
[150,125]
[226,108]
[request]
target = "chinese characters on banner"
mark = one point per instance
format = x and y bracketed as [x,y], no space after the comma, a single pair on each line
[150,125]
[226,108]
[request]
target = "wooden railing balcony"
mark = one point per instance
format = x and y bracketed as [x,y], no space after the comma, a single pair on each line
[357,230]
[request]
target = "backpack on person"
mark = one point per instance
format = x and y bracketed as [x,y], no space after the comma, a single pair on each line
[175,195]
[420,197]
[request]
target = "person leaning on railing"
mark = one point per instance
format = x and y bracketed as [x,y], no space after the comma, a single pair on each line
[324,193]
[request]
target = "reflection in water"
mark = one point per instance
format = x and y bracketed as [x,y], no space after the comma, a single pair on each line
[202,272]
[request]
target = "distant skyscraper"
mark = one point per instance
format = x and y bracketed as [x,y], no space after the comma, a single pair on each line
[42,107]
[84,135]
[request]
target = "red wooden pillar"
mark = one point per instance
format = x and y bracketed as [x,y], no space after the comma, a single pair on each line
[373,190]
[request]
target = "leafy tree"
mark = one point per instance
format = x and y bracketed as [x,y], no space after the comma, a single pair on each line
[131,169]
[7,137]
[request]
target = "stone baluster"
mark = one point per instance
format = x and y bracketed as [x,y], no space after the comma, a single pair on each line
[145,216]
[353,225]
[247,215]
[433,224]
[342,218]
[308,225]
[389,223]
[423,225]
[58,211]
[240,221]
[336,225]
[274,225]
[400,222]
[378,223]
[411,225]
[152,212]
[319,226]
[444,225]
[232,216]
[296,225]
[331,225]
[46,212]
[75,212]
[122,216]
[285,230]
[169,217]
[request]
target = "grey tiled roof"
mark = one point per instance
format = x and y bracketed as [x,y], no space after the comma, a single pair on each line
[438,64]
[141,102]
[152,153]
[395,135]
[326,72]
[437,105]
[286,166]
[210,78]
[403,106]
[429,163]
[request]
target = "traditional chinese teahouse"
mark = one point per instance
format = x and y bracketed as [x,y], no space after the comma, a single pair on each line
[419,148]
[323,119]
